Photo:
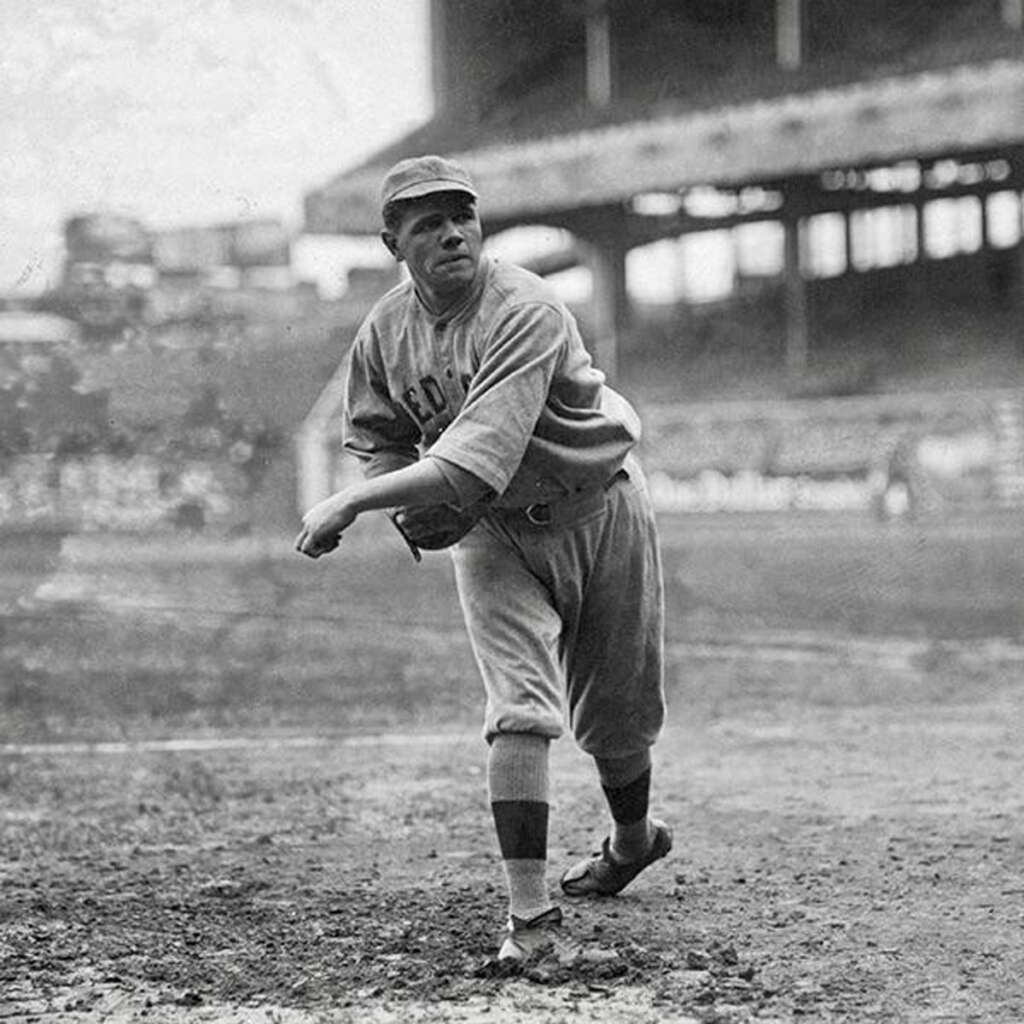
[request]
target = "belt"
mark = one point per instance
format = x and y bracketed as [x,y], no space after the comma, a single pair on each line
[563,510]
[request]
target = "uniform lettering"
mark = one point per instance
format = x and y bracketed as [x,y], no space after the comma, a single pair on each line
[435,396]
[425,400]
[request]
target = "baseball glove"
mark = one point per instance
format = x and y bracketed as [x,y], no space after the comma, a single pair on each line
[433,527]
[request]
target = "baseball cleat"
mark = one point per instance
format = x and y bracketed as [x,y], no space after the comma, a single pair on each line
[602,875]
[545,936]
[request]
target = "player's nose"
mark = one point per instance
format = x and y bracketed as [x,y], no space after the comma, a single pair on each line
[451,234]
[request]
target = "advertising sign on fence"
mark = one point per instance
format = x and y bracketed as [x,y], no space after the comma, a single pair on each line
[885,455]
[104,492]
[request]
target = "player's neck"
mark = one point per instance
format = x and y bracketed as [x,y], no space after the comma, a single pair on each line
[440,303]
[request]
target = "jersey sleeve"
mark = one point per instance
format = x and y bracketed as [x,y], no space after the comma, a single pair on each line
[377,430]
[467,487]
[506,394]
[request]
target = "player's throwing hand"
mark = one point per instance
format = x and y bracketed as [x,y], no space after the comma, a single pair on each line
[323,525]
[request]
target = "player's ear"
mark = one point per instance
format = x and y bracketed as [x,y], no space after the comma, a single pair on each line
[391,241]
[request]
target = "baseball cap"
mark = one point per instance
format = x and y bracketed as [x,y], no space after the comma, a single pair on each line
[422,175]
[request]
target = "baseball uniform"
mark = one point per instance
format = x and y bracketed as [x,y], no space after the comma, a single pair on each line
[560,583]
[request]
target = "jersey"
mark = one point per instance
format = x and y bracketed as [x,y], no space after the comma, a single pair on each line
[500,386]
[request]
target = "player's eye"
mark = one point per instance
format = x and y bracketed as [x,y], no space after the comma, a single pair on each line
[426,224]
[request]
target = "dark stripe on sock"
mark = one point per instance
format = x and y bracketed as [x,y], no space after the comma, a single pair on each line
[522,827]
[630,803]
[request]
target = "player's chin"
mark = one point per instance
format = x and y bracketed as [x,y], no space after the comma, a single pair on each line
[460,269]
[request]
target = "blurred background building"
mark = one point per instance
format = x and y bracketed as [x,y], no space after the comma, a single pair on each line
[791,230]
[763,203]
[697,151]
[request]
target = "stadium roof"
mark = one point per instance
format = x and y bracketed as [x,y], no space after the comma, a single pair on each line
[931,114]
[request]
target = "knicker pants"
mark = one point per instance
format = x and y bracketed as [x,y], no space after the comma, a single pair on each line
[566,623]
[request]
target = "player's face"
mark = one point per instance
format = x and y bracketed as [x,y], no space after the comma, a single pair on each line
[440,241]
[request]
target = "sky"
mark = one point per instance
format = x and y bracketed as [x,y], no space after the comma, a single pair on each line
[185,112]
[190,112]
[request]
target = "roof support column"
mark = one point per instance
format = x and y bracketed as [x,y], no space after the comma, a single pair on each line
[609,300]
[600,78]
[848,241]
[794,304]
[919,288]
[789,25]
[920,223]
[1018,254]
[439,60]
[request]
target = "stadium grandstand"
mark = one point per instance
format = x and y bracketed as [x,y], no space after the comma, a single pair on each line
[777,221]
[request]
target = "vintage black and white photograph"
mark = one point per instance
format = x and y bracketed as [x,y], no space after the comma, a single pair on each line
[511,511]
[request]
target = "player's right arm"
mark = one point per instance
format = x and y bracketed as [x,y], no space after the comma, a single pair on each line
[384,437]
[422,483]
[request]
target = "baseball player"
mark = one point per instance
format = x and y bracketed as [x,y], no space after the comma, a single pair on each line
[483,425]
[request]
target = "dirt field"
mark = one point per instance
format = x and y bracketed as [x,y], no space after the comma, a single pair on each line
[229,793]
